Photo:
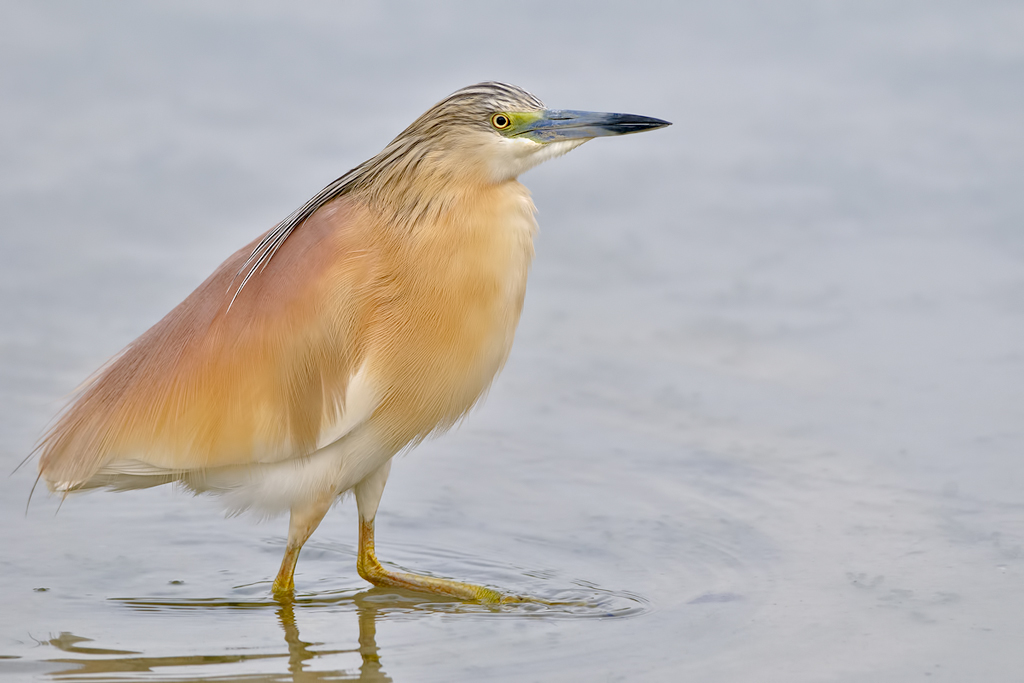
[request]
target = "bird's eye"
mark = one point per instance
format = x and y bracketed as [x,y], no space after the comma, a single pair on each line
[500,121]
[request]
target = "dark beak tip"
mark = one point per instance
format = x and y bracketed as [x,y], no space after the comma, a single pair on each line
[634,123]
[659,123]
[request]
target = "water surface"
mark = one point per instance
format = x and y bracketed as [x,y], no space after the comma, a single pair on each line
[763,415]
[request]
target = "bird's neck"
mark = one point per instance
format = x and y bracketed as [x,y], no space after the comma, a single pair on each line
[417,179]
[430,195]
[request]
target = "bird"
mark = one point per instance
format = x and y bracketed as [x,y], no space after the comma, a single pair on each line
[373,316]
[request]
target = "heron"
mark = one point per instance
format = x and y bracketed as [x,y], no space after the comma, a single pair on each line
[374,315]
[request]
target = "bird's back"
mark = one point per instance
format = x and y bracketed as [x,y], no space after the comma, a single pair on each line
[217,382]
[422,321]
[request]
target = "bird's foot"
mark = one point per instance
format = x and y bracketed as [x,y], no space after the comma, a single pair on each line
[371,570]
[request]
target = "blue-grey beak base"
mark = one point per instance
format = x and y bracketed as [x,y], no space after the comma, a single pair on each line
[566,124]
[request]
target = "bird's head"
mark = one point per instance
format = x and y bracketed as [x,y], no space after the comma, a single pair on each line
[487,133]
[495,131]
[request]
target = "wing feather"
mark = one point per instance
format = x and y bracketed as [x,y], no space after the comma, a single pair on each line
[228,378]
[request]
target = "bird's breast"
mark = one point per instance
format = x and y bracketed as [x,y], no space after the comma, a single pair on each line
[445,325]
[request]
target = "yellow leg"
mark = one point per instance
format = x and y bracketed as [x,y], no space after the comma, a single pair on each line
[371,570]
[301,526]
[284,583]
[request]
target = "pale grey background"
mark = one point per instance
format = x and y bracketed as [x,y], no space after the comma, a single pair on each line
[766,396]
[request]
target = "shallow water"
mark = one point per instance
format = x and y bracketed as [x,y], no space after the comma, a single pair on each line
[763,416]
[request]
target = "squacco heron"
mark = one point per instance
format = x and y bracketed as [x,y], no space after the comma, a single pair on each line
[374,315]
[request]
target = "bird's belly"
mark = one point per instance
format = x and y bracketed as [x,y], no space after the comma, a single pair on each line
[273,488]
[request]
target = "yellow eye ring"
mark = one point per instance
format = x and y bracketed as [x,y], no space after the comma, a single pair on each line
[501,121]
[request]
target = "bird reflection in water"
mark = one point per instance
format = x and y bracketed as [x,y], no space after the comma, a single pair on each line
[368,607]
[300,652]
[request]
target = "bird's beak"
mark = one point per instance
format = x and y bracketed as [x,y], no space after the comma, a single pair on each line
[565,124]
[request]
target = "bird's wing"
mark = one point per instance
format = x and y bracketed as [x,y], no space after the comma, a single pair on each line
[271,375]
[267,246]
